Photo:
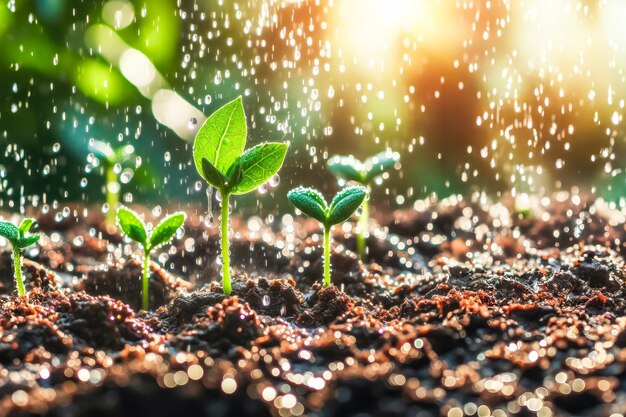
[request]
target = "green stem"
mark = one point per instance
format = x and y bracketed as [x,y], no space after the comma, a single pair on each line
[17,264]
[225,246]
[363,230]
[327,255]
[145,281]
[112,193]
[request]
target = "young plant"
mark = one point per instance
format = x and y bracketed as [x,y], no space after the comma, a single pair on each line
[349,168]
[312,203]
[112,160]
[218,153]
[17,236]
[133,227]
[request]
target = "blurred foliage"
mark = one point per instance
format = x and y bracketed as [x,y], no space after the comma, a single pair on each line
[57,93]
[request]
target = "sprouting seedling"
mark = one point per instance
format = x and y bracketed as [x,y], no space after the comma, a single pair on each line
[374,168]
[17,236]
[312,203]
[112,159]
[218,152]
[133,227]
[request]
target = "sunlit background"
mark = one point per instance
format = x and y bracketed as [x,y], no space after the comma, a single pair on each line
[521,96]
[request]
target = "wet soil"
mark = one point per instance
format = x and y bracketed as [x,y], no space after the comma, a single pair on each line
[463,308]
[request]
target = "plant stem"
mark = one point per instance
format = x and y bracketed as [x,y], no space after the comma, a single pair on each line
[327,255]
[225,246]
[145,281]
[112,192]
[17,264]
[363,230]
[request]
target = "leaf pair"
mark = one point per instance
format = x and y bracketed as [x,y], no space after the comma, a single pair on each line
[312,203]
[135,228]
[219,155]
[17,235]
[351,169]
[112,155]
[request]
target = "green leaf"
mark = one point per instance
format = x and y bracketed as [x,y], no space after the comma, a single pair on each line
[124,153]
[112,155]
[165,231]
[222,137]
[346,202]
[347,167]
[25,242]
[103,150]
[10,232]
[310,202]
[234,175]
[379,164]
[132,226]
[259,164]
[212,175]
[25,225]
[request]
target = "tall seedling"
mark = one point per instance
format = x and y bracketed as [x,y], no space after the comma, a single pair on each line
[219,156]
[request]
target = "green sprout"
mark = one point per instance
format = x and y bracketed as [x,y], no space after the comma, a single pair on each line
[19,241]
[218,153]
[112,159]
[374,168]
[163,233]
[312,203]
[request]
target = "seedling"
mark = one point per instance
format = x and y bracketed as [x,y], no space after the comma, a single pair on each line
[17,236]
[349,168]
[133,227]
[312,203]
[112,159]
[218,152]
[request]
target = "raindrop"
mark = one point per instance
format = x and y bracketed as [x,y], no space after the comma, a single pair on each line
[274,181]
[193,123]
[126,176]
[266,300]
[210,218]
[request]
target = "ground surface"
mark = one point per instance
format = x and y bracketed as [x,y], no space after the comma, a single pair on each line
[462,309]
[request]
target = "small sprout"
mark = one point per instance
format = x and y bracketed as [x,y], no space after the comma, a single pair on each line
[133,227]
[19,240]
[349,168]
[112,160]
[218,152]
[312,203]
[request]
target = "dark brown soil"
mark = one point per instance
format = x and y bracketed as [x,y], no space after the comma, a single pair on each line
[462,309]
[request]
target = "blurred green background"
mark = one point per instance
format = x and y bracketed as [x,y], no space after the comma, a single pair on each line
[479,96]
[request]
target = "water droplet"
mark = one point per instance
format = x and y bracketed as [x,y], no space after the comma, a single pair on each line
[274,181]
[266,300]
[193,123]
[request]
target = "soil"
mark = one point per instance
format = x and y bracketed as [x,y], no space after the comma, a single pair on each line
[462,308]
